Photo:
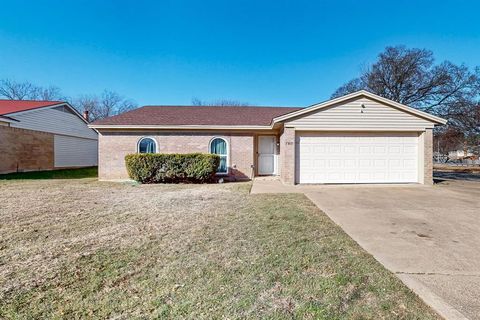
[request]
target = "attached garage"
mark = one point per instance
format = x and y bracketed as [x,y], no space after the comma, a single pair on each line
[346,157]
[357,138]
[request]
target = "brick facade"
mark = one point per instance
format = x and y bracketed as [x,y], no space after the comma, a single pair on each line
[287,156]
[114,146]
[428,156]
[25,150]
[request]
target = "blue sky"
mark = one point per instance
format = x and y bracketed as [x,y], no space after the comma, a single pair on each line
[291,53]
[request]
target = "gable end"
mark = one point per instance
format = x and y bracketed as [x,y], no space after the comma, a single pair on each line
[360,114]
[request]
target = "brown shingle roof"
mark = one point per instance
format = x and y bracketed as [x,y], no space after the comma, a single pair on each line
[197,115]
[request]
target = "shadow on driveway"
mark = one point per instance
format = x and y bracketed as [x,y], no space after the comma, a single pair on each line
[440,176]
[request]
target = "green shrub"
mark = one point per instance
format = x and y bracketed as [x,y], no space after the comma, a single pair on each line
[172,168]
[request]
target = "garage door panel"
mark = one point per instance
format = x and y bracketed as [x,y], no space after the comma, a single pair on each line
[350,164]
[335,149]
[319,163]
[379,149]
[357,158]
[410,149]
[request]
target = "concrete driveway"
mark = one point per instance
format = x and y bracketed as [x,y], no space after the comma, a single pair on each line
[428,236]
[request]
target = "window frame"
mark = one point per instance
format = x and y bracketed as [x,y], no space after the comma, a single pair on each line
[227,154]
[143,138]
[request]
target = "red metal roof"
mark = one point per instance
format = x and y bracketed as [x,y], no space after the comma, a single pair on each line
[12,106]
[197,115]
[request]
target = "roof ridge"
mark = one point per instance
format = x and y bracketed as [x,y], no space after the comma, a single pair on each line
[218,106]
[198,115]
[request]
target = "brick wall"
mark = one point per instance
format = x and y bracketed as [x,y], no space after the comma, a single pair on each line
[287,156]
[428,156]
[25,150]
[113,146]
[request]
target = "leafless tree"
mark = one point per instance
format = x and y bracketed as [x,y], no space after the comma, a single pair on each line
[50,93]
[219,102]
[448,140]
[86,103]
[411,77]
[108,104]
[14,90]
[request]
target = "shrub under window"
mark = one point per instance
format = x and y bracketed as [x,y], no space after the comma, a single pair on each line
[172,168]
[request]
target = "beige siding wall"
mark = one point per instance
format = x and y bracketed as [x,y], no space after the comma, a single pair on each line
[25,150]
[352,116]
[114,146]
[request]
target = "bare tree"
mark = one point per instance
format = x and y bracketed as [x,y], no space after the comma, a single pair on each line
[219,103]
[14,90]
[50,93]
[411,77]
[108,104]
[87,103]
[448,140]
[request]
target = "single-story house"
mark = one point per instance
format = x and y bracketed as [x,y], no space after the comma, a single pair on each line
[357,138]
[44,135]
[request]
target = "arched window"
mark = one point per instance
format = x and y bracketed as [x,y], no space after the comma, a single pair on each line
[219,146]
[147,145]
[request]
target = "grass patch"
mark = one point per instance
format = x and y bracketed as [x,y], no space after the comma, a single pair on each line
[90,172]
[93,249]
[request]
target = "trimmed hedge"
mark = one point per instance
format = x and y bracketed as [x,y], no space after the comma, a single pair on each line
[172,168]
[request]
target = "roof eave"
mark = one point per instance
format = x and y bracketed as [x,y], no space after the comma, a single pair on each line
[180,127]
[49,107]
[8,119]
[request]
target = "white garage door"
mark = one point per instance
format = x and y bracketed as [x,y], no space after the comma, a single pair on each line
[75,152]
[357,158]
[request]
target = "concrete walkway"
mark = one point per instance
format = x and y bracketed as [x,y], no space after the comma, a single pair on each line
[274,185]
[428,236]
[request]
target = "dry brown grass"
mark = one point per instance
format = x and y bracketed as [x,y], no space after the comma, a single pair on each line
[82,248]
[456,168]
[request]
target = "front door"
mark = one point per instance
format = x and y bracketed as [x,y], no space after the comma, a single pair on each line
[266,155]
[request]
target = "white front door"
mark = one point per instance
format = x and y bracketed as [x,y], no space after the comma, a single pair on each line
[357,157]
[266,155]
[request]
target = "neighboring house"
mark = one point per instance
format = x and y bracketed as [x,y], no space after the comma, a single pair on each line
[44,135]
[459,154]
[357,138]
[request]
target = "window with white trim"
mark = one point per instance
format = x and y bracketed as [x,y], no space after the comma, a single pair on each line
[219,146]
[147,145]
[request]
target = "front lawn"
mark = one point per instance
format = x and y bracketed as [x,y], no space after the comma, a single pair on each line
[80,173]
[87,249]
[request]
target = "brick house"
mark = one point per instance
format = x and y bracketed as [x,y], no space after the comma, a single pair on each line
[357,138]
[44,135]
